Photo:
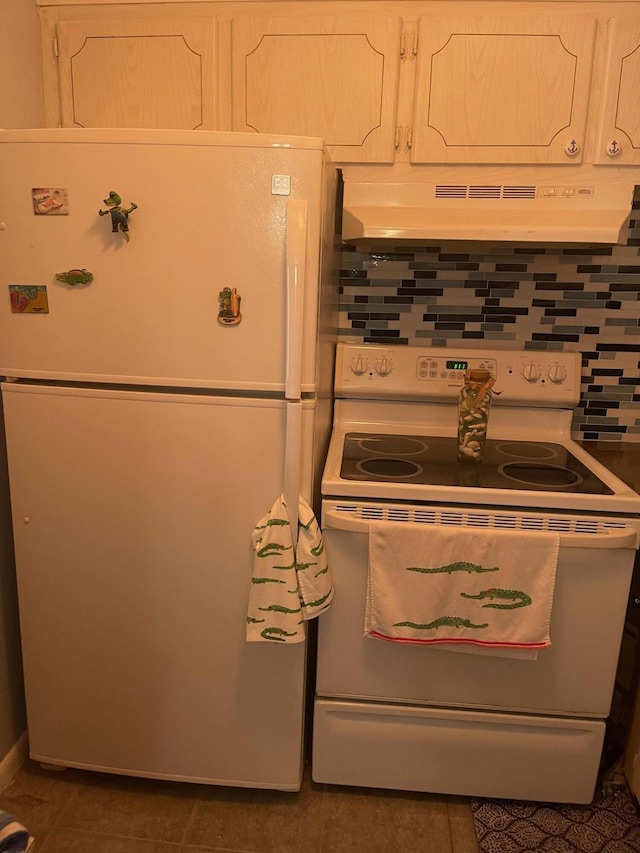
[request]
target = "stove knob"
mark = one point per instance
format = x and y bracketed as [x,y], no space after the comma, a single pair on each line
[383,368]
[531,372]
[557,373]
[359,366]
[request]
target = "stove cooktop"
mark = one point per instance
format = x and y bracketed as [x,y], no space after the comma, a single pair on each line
[432,460]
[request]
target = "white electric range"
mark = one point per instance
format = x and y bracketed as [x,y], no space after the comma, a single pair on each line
[428,718]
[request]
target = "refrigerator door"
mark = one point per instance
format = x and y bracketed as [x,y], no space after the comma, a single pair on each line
[198,294]
[132,521]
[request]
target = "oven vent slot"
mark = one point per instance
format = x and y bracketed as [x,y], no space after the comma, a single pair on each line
[560,525]
[476,518]
[506,521]
[531,523]
[398,515]
[456,519]
[424,517]
[377,512]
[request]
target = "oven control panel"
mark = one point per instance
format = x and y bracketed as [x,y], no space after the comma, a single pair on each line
[431,367]
[523,377]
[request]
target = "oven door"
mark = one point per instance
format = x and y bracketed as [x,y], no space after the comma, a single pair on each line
[573,677]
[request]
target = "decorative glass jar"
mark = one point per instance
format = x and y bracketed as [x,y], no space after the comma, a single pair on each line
[474,403]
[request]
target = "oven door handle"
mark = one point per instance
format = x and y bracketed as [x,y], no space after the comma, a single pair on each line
[619,538]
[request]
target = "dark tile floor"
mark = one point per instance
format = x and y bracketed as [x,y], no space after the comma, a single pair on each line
[77,811]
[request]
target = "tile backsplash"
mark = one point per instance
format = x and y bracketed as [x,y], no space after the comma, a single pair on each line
[582,298]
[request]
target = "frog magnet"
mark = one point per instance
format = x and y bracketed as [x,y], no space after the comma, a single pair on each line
[119,215]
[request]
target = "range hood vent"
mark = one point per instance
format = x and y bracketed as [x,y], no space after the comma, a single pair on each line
[461,191]
[561,212]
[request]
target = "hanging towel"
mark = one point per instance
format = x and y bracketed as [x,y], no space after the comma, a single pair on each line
[14,837]
[289,586]
[485,651]
[433,584]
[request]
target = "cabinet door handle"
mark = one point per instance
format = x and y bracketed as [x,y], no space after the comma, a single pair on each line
[572,148]
[296,251]
[613,149]
[403,46]
[409,138]
[398,137]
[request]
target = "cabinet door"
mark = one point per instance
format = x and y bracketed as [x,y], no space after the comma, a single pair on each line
[619,140]
[502,90]
[147,73]
[335,78]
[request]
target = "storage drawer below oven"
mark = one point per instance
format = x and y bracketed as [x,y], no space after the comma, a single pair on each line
[471,753]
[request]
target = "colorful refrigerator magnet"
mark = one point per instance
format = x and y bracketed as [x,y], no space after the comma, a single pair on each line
[28,299]
[119,215]
[75,276]
[50,201]
[229,313]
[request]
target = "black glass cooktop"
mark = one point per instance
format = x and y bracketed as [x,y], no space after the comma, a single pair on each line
[429,460]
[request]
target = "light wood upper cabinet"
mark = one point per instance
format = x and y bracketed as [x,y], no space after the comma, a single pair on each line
[502,90]
[444,86]
[149,73]
[619,138]
[332,77]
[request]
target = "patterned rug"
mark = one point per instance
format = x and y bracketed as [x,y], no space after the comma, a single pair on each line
[610,824]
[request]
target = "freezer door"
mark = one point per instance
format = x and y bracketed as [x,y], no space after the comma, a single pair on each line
[132,520]
[197,295]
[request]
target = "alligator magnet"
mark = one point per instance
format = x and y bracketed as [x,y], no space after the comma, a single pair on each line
[75,276]
[119,215]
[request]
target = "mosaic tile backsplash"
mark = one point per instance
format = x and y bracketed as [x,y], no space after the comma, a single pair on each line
[576,298]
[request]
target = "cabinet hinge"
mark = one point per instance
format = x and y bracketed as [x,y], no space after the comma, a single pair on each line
[403,46]
[56,52]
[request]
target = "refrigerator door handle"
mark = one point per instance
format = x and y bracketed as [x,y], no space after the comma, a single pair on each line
[292,461]
[297,214]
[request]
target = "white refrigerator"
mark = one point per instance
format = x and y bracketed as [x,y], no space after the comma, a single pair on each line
[166,340]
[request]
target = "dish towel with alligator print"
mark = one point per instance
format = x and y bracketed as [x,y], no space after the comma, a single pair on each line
[452,586]
[289,586]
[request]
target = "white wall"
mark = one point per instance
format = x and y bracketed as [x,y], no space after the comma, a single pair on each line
[20,65]
[20,106]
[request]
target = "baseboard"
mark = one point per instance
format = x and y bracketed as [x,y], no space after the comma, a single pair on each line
[13,760]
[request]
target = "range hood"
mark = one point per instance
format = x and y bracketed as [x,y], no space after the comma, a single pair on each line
[552,212]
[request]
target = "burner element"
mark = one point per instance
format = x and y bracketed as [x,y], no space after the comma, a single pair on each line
[393,445]
[389,468]
[526,450]
[539,474]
